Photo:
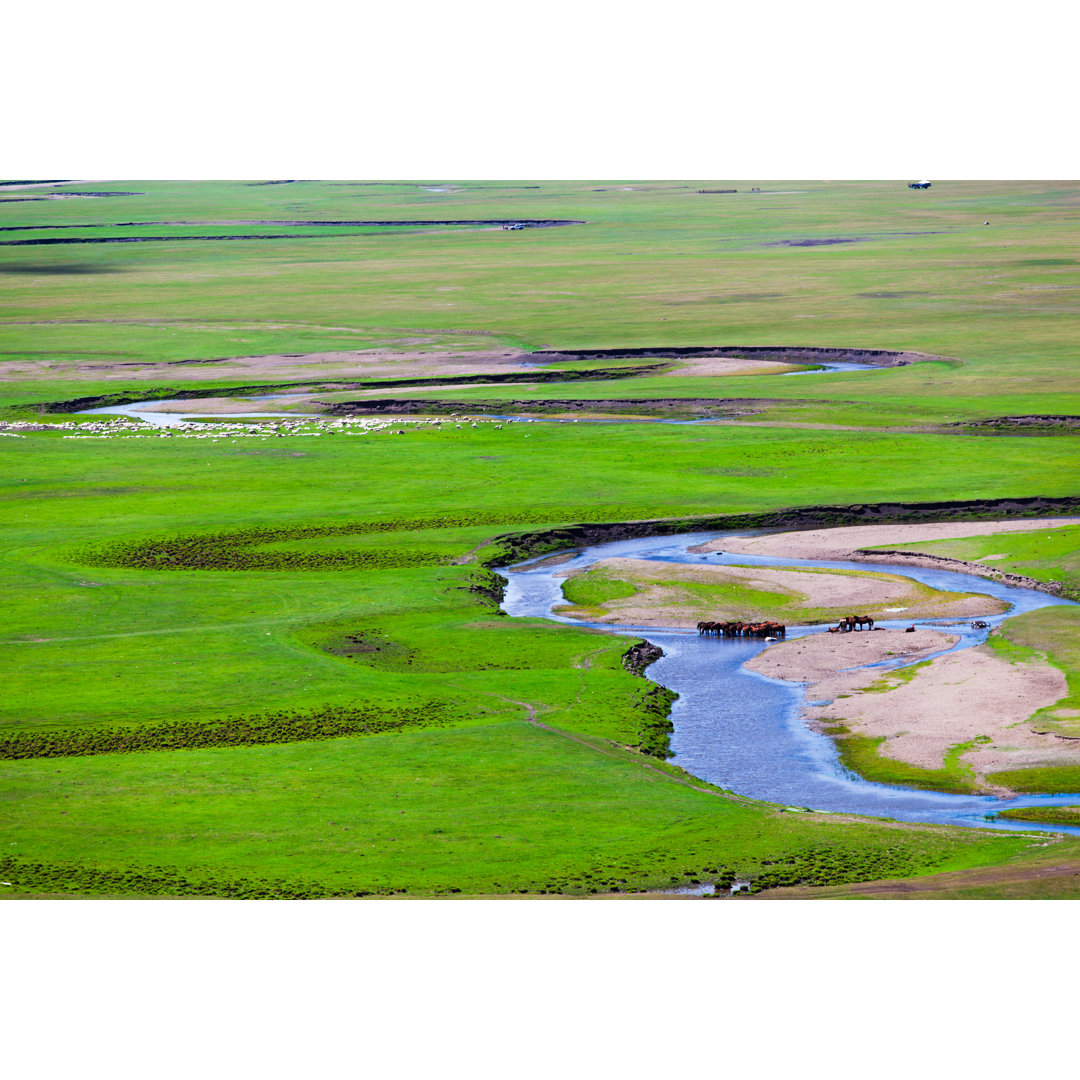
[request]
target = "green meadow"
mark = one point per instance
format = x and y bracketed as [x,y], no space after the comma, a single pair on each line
[276,666]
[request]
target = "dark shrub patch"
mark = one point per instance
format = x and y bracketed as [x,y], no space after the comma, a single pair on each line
[330,722]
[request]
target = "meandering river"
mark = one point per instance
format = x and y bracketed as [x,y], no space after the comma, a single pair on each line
[149,411]
[742,731]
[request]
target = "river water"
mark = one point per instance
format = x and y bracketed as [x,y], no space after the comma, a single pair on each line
[741,730]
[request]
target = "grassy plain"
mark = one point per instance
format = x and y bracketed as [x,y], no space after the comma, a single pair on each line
[491,803]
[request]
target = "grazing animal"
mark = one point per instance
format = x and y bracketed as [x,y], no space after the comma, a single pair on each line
[978,624]
[910,630]
[861,620]
[742,629]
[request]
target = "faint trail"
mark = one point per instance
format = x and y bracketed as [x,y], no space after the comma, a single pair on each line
[584,663]
[143,633]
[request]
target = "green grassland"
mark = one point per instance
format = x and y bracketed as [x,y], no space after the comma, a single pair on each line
[658,266]
[211,728]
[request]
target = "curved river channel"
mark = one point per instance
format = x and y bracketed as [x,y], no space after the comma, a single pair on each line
[148,411]
[741,730]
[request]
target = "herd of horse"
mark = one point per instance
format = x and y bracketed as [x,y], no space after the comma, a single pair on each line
[775,629]
[742,629]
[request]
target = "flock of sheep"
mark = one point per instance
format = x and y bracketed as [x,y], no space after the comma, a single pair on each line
[263,429]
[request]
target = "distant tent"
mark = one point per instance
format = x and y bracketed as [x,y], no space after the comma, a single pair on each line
[920,184]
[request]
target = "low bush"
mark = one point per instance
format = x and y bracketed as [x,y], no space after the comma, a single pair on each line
[329,722]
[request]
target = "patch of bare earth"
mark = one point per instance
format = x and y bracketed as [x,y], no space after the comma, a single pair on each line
[660,602]
[709,366]
[956,698]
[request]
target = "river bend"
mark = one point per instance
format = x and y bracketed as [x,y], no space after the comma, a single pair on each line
[742,731]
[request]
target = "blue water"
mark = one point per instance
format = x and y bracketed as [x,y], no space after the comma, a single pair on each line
[741,730]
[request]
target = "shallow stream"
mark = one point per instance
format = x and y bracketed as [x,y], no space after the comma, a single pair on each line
[742,731]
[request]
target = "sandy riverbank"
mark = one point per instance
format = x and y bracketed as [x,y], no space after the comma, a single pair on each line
[956,698]
[670,594]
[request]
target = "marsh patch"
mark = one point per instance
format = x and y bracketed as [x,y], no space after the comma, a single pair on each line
[890,295]
[370,647]
[824,241]
[39,268]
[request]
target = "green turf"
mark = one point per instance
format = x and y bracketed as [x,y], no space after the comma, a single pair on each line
[499,808]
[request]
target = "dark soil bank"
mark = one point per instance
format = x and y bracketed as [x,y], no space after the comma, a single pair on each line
[638,657]
[790,353]
[157,393]
[1019,425]
[537,223]
[675,408]
[516,547]
[261,236]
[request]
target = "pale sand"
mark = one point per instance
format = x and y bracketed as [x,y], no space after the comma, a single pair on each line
[731,365]
[955,699]
[841,543]
[844,594]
